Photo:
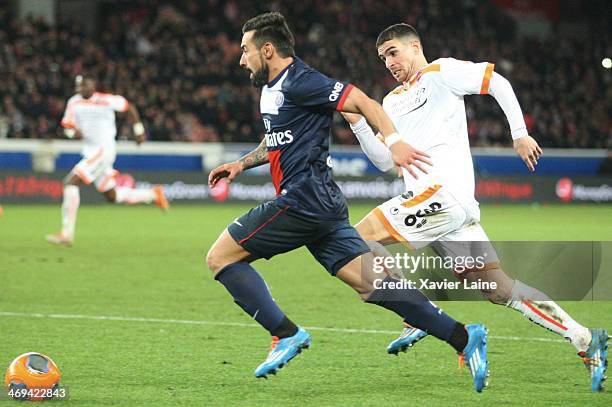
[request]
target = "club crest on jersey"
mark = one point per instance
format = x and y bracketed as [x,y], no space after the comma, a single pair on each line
[280,99]
[271,101]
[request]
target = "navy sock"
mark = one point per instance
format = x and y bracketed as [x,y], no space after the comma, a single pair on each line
[418,311]
[459,338]
[251,293]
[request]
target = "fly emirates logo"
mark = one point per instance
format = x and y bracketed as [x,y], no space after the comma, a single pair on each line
[276,138]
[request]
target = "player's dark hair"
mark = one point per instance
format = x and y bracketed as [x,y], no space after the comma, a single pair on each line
[271,27]
[396,31]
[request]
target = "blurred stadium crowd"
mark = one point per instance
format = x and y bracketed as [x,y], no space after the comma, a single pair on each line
[178,62]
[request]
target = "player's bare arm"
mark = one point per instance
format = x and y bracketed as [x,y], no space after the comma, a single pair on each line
[529,151]
[137,126]
[403,154]
[255,158]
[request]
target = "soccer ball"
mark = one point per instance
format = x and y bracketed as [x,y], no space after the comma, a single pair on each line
[32,376]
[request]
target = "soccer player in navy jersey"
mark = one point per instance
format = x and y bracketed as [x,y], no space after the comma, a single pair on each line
[297,105]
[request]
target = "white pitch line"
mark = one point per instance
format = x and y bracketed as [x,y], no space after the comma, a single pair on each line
[237,324]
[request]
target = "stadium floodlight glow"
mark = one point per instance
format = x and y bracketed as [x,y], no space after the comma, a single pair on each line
[606,63]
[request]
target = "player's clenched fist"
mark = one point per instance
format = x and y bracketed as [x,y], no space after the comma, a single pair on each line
[229,171]
[406,156]
[529,151]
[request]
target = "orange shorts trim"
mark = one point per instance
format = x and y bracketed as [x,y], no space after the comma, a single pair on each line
[422,197]
[387,225]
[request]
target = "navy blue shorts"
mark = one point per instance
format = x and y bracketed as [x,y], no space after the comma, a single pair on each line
[270,229]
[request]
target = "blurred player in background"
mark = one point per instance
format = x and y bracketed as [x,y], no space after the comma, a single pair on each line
[429,112]
[90,115]
[297,106]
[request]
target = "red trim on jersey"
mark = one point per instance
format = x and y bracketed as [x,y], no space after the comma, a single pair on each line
[348,90]
[276,215]
[275,169]
[542,315]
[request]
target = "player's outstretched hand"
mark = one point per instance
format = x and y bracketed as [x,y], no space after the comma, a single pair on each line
[406,156]
[229,171]
[529,151]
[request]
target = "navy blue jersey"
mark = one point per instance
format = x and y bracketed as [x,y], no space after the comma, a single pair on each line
[297,108]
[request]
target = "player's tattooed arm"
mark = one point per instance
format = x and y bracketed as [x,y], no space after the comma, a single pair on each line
[255,158]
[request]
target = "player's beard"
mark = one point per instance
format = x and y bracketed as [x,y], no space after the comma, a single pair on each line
[260,78]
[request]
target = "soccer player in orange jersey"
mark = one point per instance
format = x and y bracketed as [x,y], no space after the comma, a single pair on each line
[439,207]
[90,115]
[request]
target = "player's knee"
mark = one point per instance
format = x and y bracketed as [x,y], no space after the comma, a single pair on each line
[352,274]
[213,261]
[364,289]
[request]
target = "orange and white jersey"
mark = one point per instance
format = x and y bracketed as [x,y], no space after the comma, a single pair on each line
[95,119]
[429,114]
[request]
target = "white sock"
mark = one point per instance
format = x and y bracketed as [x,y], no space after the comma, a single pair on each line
[70,206]
[540,309]
[134,196]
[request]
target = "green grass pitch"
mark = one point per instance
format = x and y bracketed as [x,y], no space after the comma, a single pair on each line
[133,317]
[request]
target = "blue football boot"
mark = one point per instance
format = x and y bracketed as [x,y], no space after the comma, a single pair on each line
[475,355]
[282,351]
[407,339]
[596,358]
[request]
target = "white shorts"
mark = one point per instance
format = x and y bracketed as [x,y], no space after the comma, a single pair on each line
[97,168]
[435,217]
